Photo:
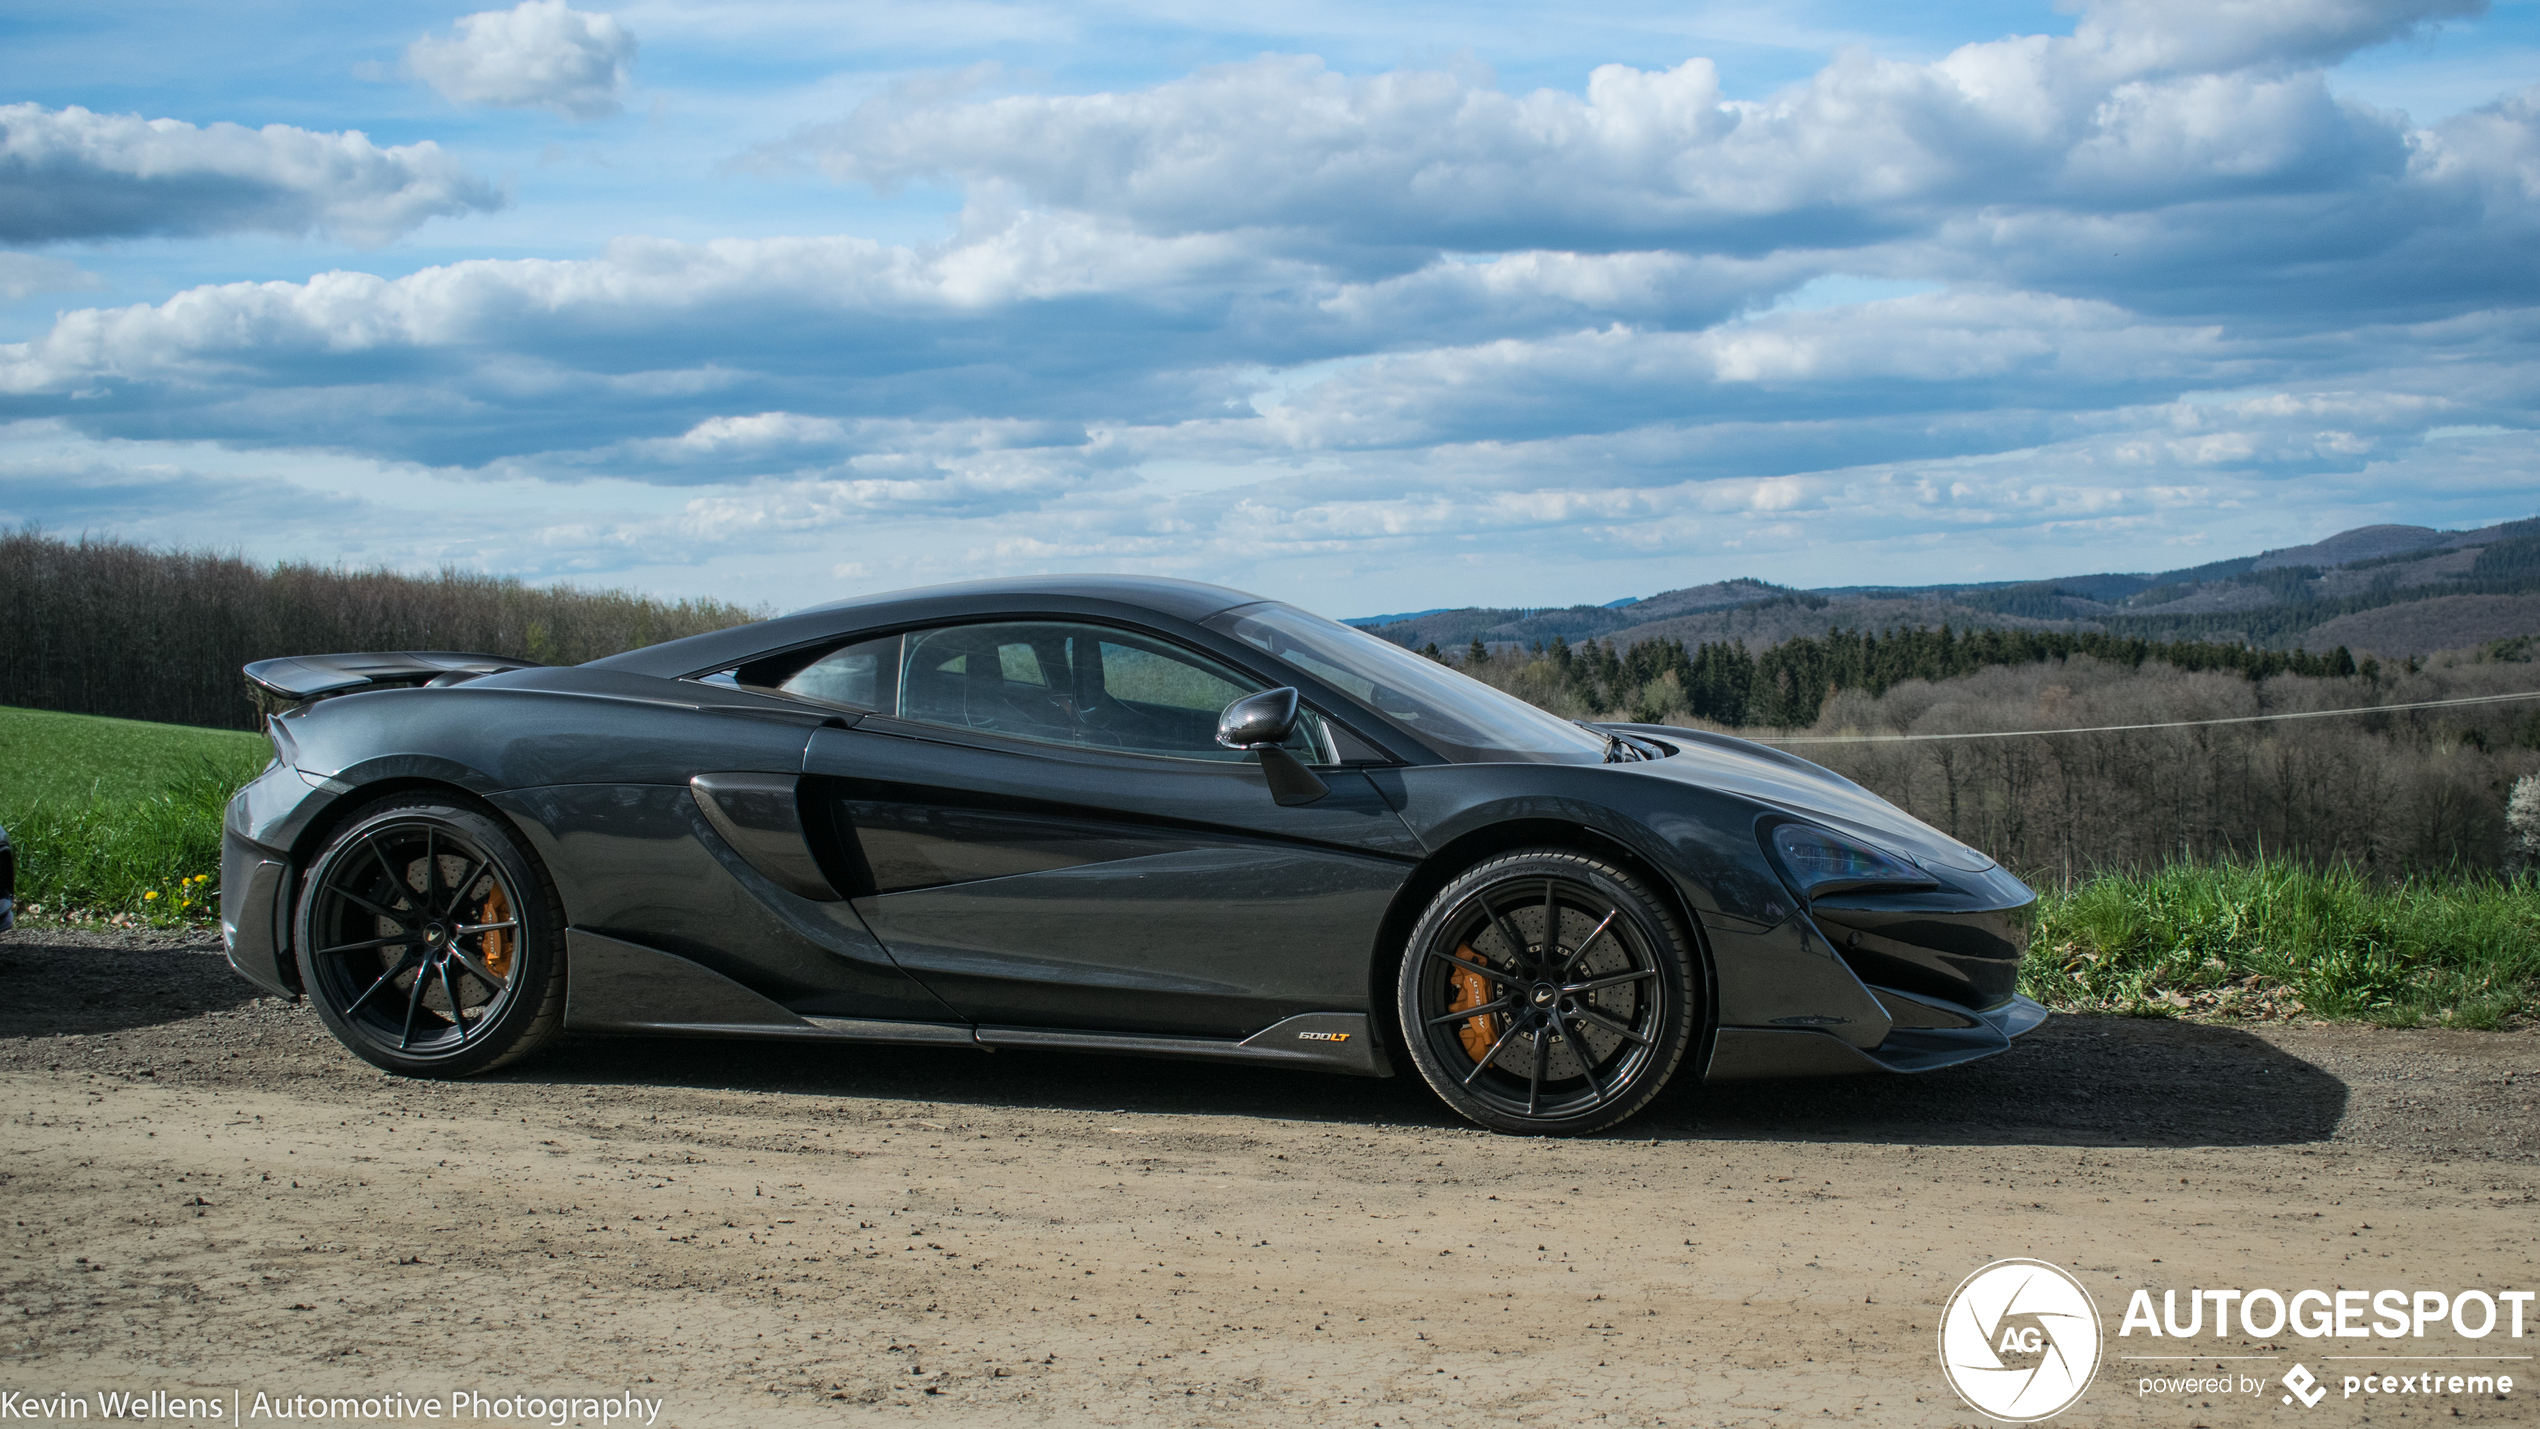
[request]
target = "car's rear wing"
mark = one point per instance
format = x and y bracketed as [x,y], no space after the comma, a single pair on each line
[297,679]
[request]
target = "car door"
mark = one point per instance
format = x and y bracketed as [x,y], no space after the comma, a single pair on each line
[1042,828]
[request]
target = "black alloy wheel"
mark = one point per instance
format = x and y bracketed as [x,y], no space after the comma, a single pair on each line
[430,940]
[1548,993]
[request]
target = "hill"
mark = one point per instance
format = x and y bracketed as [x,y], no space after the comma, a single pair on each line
[2390,590]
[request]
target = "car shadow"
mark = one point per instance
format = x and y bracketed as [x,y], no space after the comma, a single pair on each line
[2076,1081]
[72,984]
[1009,1078]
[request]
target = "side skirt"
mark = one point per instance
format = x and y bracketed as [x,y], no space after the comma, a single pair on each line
[1317,1041]
[621,987]
[617,986]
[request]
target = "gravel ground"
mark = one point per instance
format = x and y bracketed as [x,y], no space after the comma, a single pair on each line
[207,1194]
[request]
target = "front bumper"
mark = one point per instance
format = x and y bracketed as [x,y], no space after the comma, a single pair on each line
[1949,1035]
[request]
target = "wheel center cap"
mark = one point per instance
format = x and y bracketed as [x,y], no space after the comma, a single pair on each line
[435,934]
[1544,994]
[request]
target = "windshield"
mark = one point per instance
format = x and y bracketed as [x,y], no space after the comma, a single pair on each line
[1459,717]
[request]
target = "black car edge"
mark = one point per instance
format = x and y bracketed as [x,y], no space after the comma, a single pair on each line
[1118,814]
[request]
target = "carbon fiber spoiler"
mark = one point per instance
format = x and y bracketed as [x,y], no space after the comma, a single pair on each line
[295,679]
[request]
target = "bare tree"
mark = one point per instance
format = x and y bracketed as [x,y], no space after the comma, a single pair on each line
[106,627]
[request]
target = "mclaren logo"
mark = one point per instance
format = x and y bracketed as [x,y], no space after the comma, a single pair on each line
[1322,1037]
[2020,1340]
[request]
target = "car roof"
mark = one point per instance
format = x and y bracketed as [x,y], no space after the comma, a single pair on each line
[1187,600]
[1191,601]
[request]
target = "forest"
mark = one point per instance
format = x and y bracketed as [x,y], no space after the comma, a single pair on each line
[2385,791]
[1785,684]
[107,627]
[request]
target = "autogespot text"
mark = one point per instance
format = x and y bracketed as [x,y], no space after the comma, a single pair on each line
[2330,1314]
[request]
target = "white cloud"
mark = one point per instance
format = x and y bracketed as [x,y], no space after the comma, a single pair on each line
[23,275]
[540,54]
[1965,351]
[2202,36]
[69,175]
[1065,344]
[1269,313]
[644,305]
[2202,117]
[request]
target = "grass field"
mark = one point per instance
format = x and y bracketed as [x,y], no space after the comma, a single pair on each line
[2273,939]
[54,757]
[115,818]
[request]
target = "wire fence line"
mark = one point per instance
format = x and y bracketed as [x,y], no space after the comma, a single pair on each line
[2117,728]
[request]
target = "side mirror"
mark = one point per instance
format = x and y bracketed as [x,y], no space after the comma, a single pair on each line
[1256,720]
[1261,723]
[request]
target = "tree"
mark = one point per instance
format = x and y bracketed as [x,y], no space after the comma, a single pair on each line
[2522,828]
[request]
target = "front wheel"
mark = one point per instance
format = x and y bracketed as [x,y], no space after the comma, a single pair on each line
[431,941]
[1547,993]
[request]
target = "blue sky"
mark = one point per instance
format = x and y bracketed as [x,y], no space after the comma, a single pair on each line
[1372,307]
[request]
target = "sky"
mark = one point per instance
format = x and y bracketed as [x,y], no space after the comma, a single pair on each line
[1371,307]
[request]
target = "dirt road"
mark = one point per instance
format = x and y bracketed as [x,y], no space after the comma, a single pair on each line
[204,1193]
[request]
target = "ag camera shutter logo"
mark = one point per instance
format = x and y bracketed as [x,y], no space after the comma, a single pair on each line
[2020,1340]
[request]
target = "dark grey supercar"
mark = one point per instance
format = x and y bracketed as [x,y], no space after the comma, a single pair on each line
[1106,813]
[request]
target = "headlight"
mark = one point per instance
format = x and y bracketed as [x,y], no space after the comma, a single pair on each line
[1820,861]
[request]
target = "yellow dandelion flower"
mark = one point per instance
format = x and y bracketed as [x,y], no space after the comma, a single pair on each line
[153,893]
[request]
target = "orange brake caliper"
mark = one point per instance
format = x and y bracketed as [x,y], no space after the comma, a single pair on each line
[1478,1034]
[498,943]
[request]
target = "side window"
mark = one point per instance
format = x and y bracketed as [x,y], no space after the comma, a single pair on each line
[1067,683]
[864,675]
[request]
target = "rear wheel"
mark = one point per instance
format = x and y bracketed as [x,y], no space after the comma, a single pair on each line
[1546,992]
[431,941]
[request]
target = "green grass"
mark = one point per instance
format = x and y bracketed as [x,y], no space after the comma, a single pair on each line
[53,757]
[115,818]
[2269,938]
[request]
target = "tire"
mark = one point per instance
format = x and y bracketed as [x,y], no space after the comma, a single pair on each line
[418,906]
[1621,984]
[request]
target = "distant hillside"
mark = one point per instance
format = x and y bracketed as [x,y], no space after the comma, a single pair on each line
[2395,591]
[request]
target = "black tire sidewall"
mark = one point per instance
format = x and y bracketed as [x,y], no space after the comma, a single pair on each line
[535,967]
[1678,959]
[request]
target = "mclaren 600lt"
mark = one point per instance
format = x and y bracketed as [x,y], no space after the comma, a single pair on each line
[1107,813]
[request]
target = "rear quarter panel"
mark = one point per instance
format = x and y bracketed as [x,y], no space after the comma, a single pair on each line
[593,771]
